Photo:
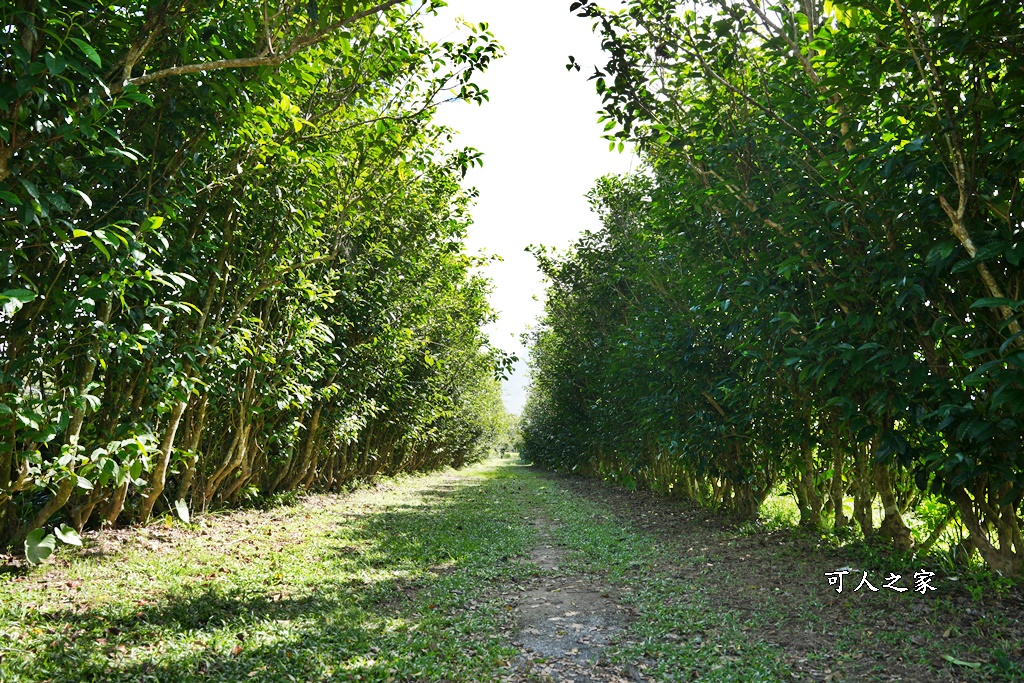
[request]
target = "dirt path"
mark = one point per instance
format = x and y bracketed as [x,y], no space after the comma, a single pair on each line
[565,620]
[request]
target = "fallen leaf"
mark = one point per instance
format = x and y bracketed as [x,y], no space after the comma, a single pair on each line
[960,662]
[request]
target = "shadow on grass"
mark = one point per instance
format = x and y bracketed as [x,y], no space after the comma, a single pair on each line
[393,601]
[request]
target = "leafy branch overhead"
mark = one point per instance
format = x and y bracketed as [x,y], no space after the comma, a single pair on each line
[291,29]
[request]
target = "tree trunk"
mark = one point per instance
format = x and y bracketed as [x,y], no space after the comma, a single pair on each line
[80,515]
[1008,557]
[7,448]
[191,444]
[159,476]
[837,491]
[236,456]
[863,491]
[745,502]
[244,473]
[810,498]
[302,471]
[893,526]
[237,452]
[116,504]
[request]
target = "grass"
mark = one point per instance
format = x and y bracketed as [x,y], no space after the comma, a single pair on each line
[380,585]
[781,512]
[677,634]
[409,582]
[715,603]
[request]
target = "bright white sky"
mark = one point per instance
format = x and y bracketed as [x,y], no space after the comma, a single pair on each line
[542,150]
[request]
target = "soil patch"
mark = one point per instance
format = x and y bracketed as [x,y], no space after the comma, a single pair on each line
[776,583]
[565,620]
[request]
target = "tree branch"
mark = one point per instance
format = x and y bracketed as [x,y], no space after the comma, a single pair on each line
[262,60]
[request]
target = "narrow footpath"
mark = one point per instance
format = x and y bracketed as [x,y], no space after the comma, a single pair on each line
[566,621]
[498,572]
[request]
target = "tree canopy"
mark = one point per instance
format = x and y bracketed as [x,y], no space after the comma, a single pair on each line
[817,279]
[232,261]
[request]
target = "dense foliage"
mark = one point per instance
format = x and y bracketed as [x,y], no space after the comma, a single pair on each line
[817,281]
[231,255]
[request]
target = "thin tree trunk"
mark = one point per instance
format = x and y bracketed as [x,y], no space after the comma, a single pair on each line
[235,458]
[936,533]
[116,504]
[191,444]
[838,489]
[8,446]
[863,492]
[1002,559]
[810,508]
[159,476]
[243,474]
[302,470]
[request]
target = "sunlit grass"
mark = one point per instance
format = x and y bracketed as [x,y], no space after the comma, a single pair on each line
[779,511]
[378,585]
[402,582]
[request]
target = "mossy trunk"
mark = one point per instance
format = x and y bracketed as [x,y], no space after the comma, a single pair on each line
[809,497]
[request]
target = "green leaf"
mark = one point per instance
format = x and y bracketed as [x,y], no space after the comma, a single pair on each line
[31,188]
[84,196]
[22,295]
[89,51]
[153,223]
[1006,344]
[940,252]
[99,245]
[994,302]
[38,546]
[1014,254]
[68,535]
[55,63]
[12,300]
[914,145]
[135,472]
[992,250]
[960,662]
[182,509]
